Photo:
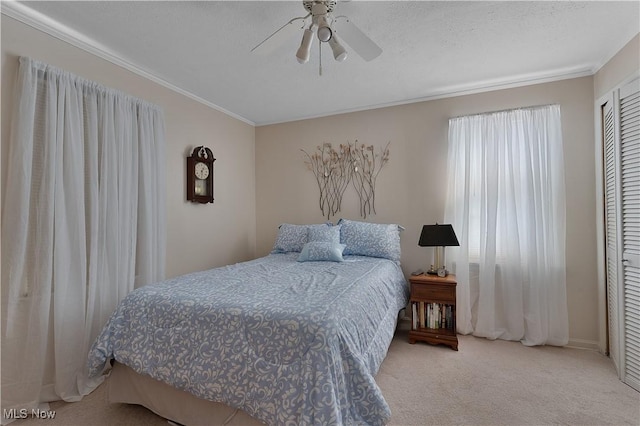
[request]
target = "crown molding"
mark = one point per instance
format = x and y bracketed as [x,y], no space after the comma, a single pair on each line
[41,22]
[462,90]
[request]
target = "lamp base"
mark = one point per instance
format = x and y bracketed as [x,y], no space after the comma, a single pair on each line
[441,271]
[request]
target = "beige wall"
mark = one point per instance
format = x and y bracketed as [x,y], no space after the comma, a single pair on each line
[411,190]
[198,236]
[622,66]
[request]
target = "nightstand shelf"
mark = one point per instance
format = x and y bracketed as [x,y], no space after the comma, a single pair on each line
[433,306]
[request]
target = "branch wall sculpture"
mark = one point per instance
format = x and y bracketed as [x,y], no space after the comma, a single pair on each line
[335,169]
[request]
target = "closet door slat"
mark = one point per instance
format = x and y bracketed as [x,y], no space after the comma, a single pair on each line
[611,230]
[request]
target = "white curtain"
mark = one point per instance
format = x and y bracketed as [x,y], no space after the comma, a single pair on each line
[506,202]
[82,225]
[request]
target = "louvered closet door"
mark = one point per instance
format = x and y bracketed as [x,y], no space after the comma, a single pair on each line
[630,183]
[611,173]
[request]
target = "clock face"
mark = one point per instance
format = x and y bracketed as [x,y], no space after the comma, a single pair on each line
[442,272]
[201,170]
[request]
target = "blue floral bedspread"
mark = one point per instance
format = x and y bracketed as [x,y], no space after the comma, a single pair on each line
[288,342]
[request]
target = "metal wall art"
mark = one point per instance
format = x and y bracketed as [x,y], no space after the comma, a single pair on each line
[351,163]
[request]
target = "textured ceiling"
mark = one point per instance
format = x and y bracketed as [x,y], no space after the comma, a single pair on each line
[430,49]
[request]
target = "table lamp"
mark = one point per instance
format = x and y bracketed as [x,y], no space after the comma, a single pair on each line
[438,236]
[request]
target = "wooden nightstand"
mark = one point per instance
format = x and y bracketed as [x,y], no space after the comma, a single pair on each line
[433,310]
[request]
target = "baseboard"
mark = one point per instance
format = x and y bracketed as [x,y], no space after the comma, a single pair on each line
[404,323]
[591,345]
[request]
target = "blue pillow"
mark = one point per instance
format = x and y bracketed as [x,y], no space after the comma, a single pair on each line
[291,238]
[370,239]
[329,234]
[321,251]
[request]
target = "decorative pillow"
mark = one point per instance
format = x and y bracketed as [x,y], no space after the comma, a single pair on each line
[321,250]
[371,239]
[290,238]
[329,234]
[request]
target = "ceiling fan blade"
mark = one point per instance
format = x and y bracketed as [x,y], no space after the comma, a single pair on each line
[356,39]
[280,36]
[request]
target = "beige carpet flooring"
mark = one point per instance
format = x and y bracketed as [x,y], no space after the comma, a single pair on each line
[484,383]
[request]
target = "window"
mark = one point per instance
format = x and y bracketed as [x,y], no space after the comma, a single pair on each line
[506,202]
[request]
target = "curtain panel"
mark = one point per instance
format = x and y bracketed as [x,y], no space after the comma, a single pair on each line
[83,224]
[506,202]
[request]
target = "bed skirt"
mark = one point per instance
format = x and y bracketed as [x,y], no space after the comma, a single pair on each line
[126,386]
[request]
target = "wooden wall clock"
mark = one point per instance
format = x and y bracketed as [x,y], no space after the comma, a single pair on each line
[200,175]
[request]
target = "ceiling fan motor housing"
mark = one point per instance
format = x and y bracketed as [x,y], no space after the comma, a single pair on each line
[319,12]
[330,5]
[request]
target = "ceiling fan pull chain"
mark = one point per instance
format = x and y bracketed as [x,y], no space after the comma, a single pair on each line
[320,50]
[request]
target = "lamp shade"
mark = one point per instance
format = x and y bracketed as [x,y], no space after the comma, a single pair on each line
[324,30]
[338,51]
[438,235]
[305,46]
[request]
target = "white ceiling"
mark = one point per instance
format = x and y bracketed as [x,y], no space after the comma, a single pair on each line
[430,49]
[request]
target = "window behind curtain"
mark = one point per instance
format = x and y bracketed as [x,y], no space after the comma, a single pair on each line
[83,224]
[506,202]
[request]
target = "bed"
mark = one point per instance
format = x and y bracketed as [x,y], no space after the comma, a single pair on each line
[295,337]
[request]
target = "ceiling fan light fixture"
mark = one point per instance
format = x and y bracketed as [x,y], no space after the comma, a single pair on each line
[339,52]
[304,51]
[324,30]
[326,26]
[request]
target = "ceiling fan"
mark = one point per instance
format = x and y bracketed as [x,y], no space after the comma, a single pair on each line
[326,27]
